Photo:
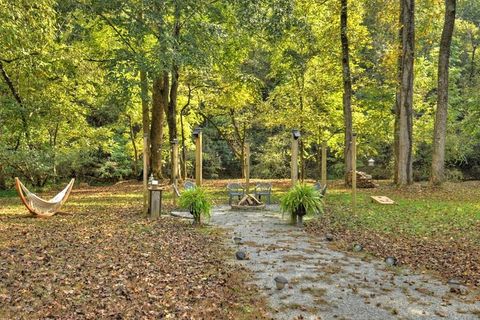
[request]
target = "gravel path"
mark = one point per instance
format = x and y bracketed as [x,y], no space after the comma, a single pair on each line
[327,284]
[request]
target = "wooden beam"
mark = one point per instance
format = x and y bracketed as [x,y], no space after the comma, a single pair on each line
[145,174]
[198,159]
[324,164]
[354,172]
[174,144]
[294,164]
[247,167]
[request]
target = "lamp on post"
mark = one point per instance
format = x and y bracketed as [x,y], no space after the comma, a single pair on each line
[196,132]
[296,134]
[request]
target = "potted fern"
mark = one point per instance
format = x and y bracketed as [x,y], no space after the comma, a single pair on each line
[197,202]
[302,200]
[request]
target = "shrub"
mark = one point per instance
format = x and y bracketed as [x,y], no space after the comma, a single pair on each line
[302,200]
[197,201]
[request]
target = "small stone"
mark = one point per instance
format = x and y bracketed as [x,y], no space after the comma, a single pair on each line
[241,255]
[456,286]
[441,313]
[280,282]
[329,237]
[357,247]
[454,282]
[391,261]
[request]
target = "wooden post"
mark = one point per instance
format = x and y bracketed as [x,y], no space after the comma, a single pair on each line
[324,164]
[354,172]
[198,156]
[174,144]
[302,162]
[145,174]
[247,167]
[294,164]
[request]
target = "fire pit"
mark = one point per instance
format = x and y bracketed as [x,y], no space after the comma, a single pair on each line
[249,202]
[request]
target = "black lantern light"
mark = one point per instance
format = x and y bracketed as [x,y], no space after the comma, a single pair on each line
[296,134]
[196,132]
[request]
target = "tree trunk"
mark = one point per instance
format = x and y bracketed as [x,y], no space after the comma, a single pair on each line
[172,114]
[3,185]
[404,114]
[134,145]
[17,97]
[347,89]
[184,151]
[472,69]
[145,113]
[172,105]
[159,104]
[440,129]
[182,128]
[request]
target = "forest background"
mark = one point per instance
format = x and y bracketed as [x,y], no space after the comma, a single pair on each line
[83,80]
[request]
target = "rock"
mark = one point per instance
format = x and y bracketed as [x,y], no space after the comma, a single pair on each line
[357,247]
[237,240]
[329,237]
[280,282]
[241,255]
[456,286]
[391,261]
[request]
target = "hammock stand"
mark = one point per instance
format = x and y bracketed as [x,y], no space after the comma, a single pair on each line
[40,207]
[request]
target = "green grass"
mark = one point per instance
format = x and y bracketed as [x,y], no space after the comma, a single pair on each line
[426,216]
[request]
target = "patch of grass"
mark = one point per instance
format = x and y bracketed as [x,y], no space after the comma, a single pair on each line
[424,215]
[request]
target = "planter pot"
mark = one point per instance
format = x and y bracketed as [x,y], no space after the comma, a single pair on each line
[196,218]
[300,212]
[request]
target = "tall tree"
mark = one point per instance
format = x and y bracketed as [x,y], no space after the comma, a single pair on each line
[347,88]
[404,104]
[440,129]
[159,104]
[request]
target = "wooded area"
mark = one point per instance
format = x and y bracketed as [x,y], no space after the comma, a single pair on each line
[83,81]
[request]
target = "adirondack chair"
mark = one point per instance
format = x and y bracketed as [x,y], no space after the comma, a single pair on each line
[263,189]
[320,188]
[189,185]
[186,186]
[235,190]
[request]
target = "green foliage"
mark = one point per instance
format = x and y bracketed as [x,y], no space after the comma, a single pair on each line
[249,72]
[197,201]
[302,197]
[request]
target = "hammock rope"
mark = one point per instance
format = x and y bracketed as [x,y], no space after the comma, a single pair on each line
[41,207]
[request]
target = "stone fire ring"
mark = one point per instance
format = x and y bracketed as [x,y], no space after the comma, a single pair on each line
[248,208]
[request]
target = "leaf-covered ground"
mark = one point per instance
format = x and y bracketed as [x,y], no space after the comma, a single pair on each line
[104,260]
[433,229]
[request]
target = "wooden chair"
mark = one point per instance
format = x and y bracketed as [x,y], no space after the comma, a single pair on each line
[263,189]
[235,190]
[189,185]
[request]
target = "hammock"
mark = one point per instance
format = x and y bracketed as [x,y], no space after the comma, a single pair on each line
[40,207]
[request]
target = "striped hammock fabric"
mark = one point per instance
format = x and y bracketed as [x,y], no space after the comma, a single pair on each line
[38,206]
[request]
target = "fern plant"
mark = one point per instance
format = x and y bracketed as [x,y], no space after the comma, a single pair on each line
[302,200]
[197,201]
